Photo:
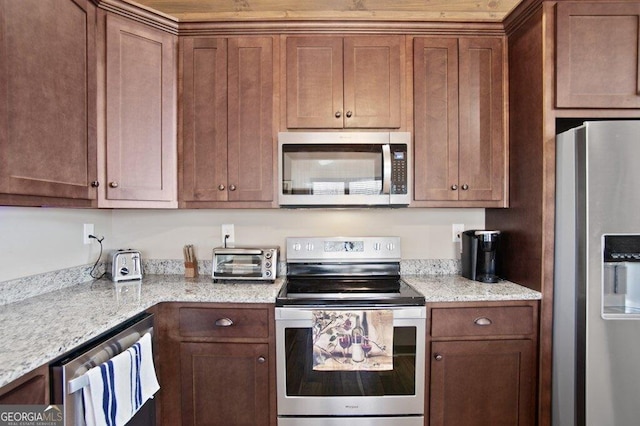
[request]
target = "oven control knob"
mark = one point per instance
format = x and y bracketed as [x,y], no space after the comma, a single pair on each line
[377,246]
[268,255]
[267,273]
[390,246]
[267,264]
[309,246]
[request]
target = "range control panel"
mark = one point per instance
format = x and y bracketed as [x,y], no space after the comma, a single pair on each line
[348,249]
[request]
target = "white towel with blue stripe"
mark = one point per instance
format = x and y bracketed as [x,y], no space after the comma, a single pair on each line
[119,387]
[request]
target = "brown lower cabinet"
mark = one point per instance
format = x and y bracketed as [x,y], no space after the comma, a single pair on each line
[483,364]
[32,388]
[217,364]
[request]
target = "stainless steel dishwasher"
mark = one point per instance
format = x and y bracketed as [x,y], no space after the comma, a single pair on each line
[67,371]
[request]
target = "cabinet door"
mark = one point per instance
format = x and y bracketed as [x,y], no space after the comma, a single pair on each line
[314,82]
[141,135]
[204,134]
[435,82]
[32,388]
[48,91]
[593,70]
[250,136]
[225,384]
[482,383]
[372,74]
[481,143]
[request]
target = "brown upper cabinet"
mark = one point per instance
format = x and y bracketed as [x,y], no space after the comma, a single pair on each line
[138,149]
[48,107]
[459,118]
[228,125]
[344,82]
[597,62]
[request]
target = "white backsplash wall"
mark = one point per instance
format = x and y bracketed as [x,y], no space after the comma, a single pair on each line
[35,240]
[425,233]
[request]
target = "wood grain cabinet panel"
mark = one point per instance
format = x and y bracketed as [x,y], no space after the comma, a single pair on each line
[48,109]
[482,363]
[217,364]
[141,138]
[224,384]
[344,82]
[482,383]
[32,388]
[594,70]
[227,149]
[459,113]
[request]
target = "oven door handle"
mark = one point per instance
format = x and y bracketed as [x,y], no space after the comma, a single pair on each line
[386,169]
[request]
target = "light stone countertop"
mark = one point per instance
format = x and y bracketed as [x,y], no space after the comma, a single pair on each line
[39,329]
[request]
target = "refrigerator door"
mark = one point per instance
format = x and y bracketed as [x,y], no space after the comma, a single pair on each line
[607,201]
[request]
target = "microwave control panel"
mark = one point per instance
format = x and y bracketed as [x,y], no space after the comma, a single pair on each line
[399,169]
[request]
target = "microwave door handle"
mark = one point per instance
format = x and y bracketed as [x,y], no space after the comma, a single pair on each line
[386,169]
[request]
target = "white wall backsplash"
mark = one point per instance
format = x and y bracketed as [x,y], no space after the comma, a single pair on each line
[425,233]
[37,240]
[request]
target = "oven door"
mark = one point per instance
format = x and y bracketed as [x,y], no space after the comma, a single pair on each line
[302,391]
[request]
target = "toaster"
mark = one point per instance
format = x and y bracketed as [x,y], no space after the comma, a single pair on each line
[125,265]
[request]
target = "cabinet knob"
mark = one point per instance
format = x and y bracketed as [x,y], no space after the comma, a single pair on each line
[232,187]
[261,360]
[465,187]
[95,184]
[221,187]
[349,114]
[482,321]
[113,184]
[438,357]
[338,114]
[454,187]
[224,322]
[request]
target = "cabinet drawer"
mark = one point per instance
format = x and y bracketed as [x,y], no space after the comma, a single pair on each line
[224,322]
[482,321]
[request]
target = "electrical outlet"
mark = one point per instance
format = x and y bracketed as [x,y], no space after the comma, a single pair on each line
[86,231]
[457,229]
[227,229]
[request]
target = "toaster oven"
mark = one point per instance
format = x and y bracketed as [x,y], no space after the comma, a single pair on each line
[245,263]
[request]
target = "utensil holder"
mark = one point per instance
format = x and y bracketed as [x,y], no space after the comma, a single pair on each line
[190,269]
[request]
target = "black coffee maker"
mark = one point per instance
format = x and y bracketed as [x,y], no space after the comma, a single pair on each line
[480,255]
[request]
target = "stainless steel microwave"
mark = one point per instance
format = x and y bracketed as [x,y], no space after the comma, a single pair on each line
[344,168]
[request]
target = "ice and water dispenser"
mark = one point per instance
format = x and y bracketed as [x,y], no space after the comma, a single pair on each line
[621,275]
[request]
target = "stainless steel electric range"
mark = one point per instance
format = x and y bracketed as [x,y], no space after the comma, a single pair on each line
[350,335]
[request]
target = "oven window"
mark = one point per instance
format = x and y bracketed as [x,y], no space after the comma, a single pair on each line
[235,265]
[302,380]
[332,169]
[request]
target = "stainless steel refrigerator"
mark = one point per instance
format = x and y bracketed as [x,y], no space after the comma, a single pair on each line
[596,329]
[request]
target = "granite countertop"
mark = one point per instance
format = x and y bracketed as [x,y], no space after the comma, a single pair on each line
[39,329]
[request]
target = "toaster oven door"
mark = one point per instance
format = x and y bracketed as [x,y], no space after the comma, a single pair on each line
[241,264]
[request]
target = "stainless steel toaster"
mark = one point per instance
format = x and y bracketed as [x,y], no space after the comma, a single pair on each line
[126,265]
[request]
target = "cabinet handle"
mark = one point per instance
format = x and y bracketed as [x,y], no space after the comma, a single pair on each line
[349,114]
[221,187]
[95,184]
[224,322]
[338,114]
[261,360]
[465,187]
[454,187]
[113,184]
[232,187]
[438,357]
[482,321]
